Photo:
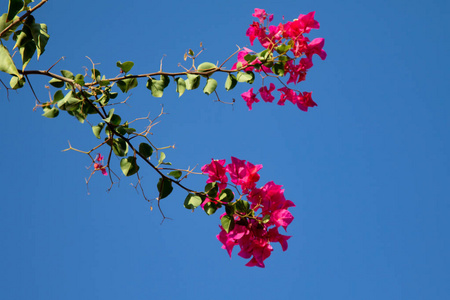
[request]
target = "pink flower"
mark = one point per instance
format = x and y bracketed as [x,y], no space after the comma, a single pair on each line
[243,174]
[261,15]
[216,172]
[276,237]
[315,47]
[98,165]
[305,101]
[254,31]
[297,72]
[287,94]
[281,217]
[266,94]
[307,22]
[269,41]
[250,98]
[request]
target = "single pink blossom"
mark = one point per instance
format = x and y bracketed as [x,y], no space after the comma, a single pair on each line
[216,172]
[98,165]
[315,47]
[305,101]
[307,22]
[260,14]
[281,217]
[266,94]
[287,94]
[250,98]
[254,31]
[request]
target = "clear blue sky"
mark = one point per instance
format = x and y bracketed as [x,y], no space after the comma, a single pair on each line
[369,168]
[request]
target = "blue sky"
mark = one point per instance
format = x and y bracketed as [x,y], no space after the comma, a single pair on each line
[368,168]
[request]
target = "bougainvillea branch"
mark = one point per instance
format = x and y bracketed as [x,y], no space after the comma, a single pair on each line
[253,215]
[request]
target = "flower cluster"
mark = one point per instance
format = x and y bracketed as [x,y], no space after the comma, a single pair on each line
[252,223]
[98,164]
[284,38]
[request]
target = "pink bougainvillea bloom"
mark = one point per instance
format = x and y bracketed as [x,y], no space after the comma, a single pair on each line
[300,46]
[287,94]
[266,94]
[237,170]
[281,217]
[216,172]
[276,237]
[305,101]
[250,98]
[98,165]
[269,41]
[254,31]
[307,22]
[315,47]
[243,174]
[260,14]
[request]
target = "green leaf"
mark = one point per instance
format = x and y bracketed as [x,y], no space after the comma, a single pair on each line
[227,223]
[245,77]
[115,120]
[264,55]
[67,74]
[40,37]
[98,129]
[127,84]
[176,174]
[16,82]
[282,49]
[193,81]
[69,102]
[120,147]
[14,7]
[157,86]
[266,219]
[6,63]
[226,195]
[126,66]
[164,187]
[206,67]
[278,68]
[181,86]
[129,166]
[192,201]
[110,114]
[50,112]
[231,82]
[79,78]
[210,86]
[242,206]
[57,96]
[250,57]
[4,24]
[212,189]
[27,52]
[210,208]
[56,83]
[162,157]
[230,210]
[146,150]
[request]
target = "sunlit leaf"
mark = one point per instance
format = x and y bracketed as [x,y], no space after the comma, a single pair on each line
[210,87]
[129,166]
